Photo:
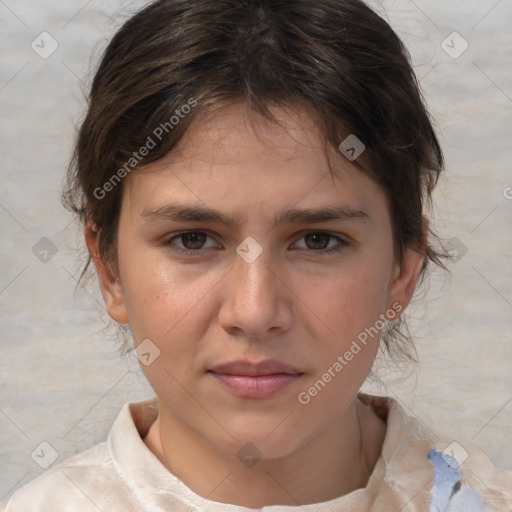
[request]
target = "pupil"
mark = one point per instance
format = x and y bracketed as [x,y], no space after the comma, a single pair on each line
[317,238]
[194,237]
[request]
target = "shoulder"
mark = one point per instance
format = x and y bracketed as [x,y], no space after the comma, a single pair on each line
[101,478]
[454,474]
[69,486]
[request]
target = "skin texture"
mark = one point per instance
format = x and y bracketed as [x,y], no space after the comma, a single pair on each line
[289,304]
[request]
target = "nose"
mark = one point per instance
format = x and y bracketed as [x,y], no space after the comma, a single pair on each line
[256,301]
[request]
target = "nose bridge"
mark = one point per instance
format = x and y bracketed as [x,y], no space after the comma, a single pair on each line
[254,300]
[252,272]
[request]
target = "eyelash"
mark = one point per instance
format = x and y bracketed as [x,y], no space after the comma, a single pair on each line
[196,252]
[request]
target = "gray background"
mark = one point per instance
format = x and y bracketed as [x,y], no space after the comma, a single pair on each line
[62,381]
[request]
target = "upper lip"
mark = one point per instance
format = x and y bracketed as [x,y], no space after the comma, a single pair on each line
[265,367]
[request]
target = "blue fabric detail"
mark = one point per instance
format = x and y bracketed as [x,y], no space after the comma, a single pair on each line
[448,485]
[446,479]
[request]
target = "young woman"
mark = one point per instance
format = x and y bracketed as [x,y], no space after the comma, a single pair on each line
[252,178]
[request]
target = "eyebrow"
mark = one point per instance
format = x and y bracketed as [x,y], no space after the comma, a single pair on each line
[183,213]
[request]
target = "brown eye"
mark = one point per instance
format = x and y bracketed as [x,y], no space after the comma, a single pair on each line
[191,243]
[193,240]
[318,241]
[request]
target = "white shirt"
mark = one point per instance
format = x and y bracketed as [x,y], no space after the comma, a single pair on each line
[122,474]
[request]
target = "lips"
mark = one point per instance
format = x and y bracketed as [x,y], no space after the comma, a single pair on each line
[255,380]
[247,368]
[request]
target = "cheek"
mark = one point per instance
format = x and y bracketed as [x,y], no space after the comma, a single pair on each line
[346,342]
[347,303]
[162,299]
[172,312]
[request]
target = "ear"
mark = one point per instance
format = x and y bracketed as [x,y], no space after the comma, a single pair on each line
[110,285]
[406,274]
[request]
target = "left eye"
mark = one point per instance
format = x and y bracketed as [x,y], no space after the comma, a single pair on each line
[321,239]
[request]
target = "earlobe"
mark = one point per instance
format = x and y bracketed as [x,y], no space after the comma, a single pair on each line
[110,284]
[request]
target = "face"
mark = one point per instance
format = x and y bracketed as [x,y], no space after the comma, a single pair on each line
[273,282]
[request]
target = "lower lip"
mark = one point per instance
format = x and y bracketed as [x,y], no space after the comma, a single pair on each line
[258,386]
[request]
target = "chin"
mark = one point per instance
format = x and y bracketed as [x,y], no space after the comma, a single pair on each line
[263,439]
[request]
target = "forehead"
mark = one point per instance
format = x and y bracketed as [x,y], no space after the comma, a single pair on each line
[225,155]
[290,131]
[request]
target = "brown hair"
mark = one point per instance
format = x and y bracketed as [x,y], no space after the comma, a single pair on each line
[335,58]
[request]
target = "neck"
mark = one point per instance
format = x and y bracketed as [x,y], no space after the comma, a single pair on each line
[337,461]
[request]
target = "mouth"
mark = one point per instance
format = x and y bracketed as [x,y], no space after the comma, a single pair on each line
[255,380]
